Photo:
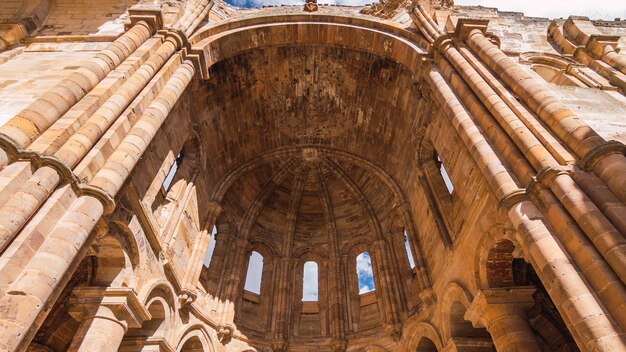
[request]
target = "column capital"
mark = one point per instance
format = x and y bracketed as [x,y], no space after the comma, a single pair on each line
[121,304]
[465,26]
[151,15]
[489,304]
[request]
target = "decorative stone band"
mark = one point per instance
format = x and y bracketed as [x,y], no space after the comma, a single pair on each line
[542,178]
[38,160]
[596,153]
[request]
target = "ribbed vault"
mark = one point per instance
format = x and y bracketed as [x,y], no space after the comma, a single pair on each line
[307,196]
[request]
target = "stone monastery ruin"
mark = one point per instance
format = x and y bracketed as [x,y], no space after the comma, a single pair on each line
[185,175]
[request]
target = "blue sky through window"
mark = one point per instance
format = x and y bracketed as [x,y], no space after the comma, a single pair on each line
[309,282]
[209,251]
[253,276]
[409,253]
[364,273]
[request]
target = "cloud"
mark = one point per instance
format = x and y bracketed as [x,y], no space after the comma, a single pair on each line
[309,282]
[364,273]
[253,276]
[605,9]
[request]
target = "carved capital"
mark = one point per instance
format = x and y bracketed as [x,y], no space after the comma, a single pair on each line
[225,333]
[151,15]
[394,331]
[280,346]
[465,26]
[338,346]
[490,304]
[187,297]
[588,161]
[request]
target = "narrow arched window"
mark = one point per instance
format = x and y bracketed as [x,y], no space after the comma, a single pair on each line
[167,183]
[211,248]
[255,271]
[409,253]
[444,174]
[309,282]
[364,273]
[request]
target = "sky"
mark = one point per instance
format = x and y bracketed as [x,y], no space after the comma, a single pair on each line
[309,285]
[364,272]
[253,276]
[605,9]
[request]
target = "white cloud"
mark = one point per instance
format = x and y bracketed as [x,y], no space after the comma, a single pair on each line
[606,9]
[253,276]
[309,282]
[364,273]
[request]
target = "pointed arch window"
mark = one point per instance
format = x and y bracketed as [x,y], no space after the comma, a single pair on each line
[364,272]
[409,252]
[255,271]
[211,248]
[310,282]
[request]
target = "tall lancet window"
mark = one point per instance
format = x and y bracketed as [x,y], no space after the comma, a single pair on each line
[309,282]
[364,273]
[444,175]
[255,271]
[409,253]
[211,248]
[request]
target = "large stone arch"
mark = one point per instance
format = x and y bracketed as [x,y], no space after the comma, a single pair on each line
[227,40]
[419,331]
[196,338]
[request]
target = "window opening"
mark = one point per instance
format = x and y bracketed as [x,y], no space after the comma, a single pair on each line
[255,271]
[409,253]
[167,183]
[444,175]
[364,273]
[211,248]
[309,282]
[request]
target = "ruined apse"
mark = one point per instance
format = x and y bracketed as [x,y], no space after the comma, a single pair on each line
[186,175]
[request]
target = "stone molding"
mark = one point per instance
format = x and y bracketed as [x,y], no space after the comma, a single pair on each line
[38,160]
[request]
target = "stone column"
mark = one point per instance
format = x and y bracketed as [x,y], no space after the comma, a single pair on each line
[502,312]
[43,277]
[282,301]
[585,315]
[198,253]
[105,314]
[31,122]
[604,159]
[383,264]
